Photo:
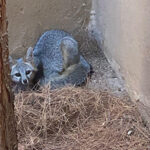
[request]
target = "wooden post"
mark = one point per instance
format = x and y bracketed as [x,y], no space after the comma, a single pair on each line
[8,135]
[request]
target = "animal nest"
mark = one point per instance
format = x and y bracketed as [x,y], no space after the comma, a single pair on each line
[78,119]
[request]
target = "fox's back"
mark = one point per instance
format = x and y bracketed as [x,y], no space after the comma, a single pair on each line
[48,56]
[47,50]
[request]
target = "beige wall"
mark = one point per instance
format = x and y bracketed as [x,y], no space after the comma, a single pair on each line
[29,18]
[123,29]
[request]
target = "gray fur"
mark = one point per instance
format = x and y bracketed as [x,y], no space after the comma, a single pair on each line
[48,59]
[22,70]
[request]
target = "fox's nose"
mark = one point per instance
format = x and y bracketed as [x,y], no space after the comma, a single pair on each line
[25,81]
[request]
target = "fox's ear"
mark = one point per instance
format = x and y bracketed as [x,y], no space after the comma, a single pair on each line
[11,61]
[29,55]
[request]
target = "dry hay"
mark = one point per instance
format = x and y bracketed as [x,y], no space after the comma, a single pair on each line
[78,119]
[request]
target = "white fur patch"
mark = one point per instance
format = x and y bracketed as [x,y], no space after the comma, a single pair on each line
[29,65]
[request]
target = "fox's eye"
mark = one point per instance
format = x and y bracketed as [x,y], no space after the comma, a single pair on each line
[17,74]
[28,72]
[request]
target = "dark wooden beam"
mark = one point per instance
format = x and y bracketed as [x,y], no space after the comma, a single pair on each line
[8,135]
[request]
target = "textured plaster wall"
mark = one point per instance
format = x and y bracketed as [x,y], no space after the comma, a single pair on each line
[123,29]
[28,19]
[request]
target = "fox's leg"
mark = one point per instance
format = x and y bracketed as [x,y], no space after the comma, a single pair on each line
[69,49]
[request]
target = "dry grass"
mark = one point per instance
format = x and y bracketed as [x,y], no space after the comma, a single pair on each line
[78,119]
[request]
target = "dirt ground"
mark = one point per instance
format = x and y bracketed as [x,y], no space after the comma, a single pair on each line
[104,77]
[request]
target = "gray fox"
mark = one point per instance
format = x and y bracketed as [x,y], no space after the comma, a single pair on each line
[22,71]
[57,61]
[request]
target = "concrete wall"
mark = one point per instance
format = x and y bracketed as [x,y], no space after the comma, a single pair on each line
[123,29]
[28,19]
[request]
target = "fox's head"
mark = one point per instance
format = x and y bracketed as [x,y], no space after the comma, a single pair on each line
[22,69]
